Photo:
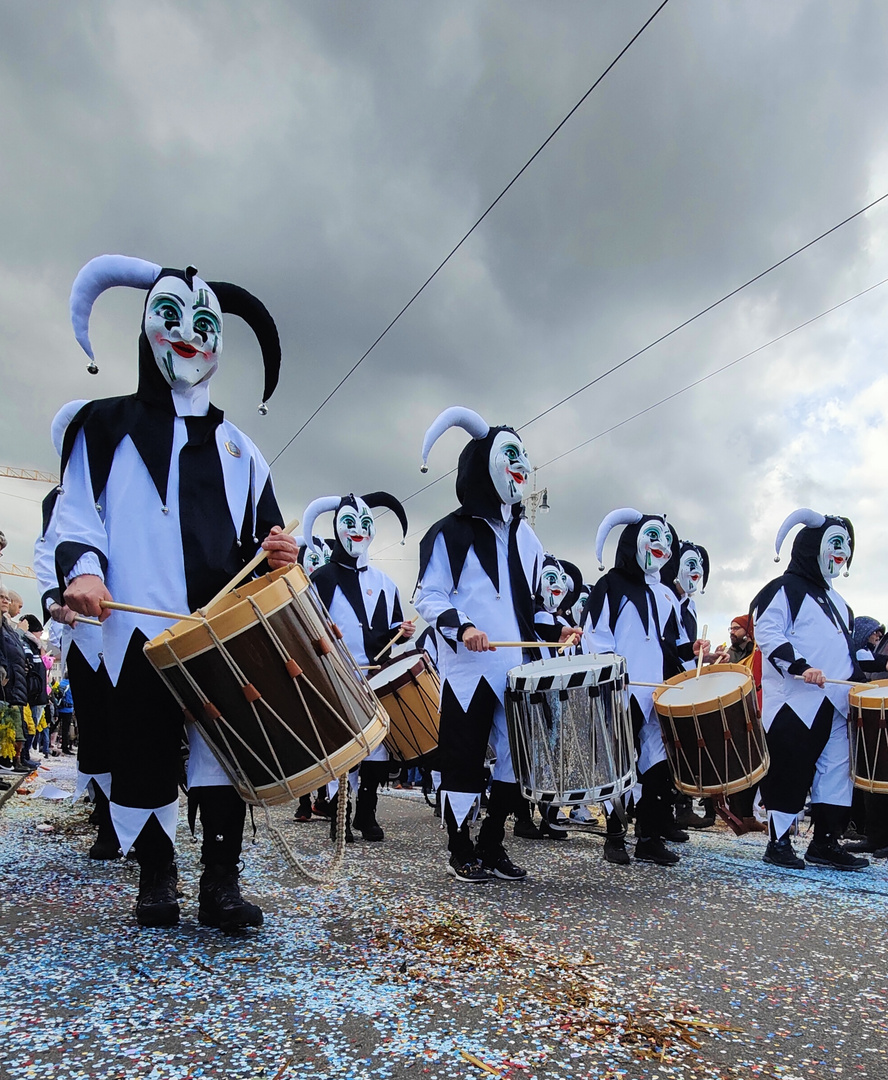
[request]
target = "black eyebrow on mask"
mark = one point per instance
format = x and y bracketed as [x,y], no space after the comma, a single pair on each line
[167,296]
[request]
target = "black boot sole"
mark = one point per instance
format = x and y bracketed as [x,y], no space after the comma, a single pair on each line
[158,917]
[231,924]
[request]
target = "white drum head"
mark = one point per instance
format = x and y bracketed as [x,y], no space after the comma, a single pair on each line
[566,672]
[877,693]
[708,687]
[394,670]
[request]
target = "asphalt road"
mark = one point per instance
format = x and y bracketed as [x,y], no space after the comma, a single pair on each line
[719,968]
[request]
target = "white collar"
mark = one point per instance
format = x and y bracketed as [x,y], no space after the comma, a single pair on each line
[193,400]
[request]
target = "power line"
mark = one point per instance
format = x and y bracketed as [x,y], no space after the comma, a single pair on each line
[711,374]
[704,311]
[675,394]
[681,326]
[456,248]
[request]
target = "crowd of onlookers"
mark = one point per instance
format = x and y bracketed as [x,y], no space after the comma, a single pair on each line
[36,717]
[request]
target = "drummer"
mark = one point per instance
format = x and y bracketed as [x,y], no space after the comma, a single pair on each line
[162,501]
[633,614]
[803,628]
[366,606]
[687,575]
[554,601]
[479,568]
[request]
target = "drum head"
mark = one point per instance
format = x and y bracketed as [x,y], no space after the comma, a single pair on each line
[872,695]
[708,687]
[396,669]
[567,672]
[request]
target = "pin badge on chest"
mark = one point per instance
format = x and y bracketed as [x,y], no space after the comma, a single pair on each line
[232,448]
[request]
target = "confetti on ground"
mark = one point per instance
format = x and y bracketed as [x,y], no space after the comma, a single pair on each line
[720,969]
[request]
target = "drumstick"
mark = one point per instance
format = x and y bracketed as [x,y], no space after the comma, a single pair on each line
[520,644]
[700,654]
[836,682]
[382,652]
[658,685]
[114,606]
[87,622]
[369,667]
[248,569]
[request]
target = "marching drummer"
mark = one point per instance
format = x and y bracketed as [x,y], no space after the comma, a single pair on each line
[366,606]
[479,568]
[632,613]
[554,600]
[162,501]
[803,628]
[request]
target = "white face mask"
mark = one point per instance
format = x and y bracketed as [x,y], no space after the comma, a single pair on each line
[356,528]
[654,546]
[690,572]
[554,587]
[835,551]
[184,330]
[509,467]
[577,610]
[313,559]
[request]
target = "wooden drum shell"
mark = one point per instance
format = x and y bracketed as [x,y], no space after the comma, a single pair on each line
[868,731]
[413,704]
[272,688]
[714,747]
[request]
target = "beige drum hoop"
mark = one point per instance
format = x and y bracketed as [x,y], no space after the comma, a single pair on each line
[712,730]
[868,732]
[272,688]
[409,690]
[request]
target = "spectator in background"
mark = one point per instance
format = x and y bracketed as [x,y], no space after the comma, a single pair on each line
[65,713]
[15,689]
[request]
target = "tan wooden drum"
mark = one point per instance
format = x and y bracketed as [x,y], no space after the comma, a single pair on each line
[712,730]
[272,688]
[409,690]
[868,729]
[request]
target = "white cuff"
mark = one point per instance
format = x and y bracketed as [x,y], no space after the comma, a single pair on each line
[86,564]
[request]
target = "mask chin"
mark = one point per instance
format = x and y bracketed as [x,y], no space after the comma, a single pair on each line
[509,467]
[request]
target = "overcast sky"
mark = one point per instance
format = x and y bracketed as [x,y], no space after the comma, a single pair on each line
[328,155]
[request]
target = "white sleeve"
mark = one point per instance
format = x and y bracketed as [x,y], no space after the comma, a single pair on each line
[599,638]
[81,542]
[772,637]
[433,596]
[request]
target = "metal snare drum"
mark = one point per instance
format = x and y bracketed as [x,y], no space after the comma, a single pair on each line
[569,729]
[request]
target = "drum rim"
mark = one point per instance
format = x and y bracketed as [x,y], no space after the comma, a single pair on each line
[858,697]
[408,676]
[534,668]
[230,617]
[732,697]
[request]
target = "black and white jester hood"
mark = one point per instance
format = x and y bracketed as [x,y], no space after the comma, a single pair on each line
[560,585]
[180,344]
[687,572]
[821,551]
[310,559]
[645,547]
[493,468]
[354,525]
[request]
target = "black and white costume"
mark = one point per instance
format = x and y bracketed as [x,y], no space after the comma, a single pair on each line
[687,573]
[479,567]
[365,604]
[802,624]
[163,500]
[633,614]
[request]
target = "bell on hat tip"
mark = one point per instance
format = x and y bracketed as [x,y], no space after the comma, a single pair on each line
[263,409]
[423,468]
[776,558]
[847,573]
[92,367]
[601,566]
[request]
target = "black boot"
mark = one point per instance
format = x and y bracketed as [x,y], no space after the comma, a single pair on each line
[364,819]
[106,844]
[156,904]
[615,843]
[220,902]
[830,822]
[551,827]
[524,823]
[780,853]
[652,849]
